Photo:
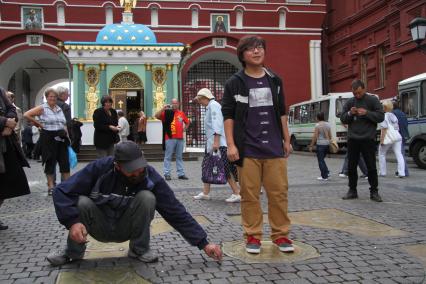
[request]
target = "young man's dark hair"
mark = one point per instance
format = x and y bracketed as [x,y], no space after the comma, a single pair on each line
[249,42]
[120,113]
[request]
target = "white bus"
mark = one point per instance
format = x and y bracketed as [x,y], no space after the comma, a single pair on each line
[412,97]
[302,118]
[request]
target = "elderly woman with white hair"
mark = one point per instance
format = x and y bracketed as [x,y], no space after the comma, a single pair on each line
[390,121]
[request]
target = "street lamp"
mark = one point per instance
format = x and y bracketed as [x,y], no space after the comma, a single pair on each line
[418,32]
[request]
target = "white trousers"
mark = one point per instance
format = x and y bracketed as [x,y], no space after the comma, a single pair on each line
[396,147]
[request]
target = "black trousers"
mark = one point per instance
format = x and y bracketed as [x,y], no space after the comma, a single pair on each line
[367,148]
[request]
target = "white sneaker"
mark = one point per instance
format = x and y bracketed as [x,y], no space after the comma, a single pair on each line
[322,179]
[342,175]
[201,195]
[234,198]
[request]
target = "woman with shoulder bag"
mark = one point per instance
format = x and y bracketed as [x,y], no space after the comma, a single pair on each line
[321,137]
[54,139]
[390,138]
[216,145]
[12,176]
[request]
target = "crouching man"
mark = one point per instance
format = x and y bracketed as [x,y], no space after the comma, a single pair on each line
[114,200]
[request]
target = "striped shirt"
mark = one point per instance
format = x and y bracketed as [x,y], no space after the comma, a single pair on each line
[52,119]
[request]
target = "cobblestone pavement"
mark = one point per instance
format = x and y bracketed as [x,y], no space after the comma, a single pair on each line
[344,257]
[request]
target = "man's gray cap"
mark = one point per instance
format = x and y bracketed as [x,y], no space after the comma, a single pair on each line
[129,156]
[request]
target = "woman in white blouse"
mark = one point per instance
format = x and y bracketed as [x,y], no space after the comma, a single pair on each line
[53,137]
[390,121]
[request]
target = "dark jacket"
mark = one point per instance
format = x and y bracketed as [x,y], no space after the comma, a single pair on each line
[65,109]
[67,113]
[105,186]
[363,127]
[13,181]
[8,111]
[104,137]
[235,105]
[402,123]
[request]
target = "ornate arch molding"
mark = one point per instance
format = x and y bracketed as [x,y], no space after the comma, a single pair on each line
[126,80]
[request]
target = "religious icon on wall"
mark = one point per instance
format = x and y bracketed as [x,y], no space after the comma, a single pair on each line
[219,23]
[159,76]
[32,18]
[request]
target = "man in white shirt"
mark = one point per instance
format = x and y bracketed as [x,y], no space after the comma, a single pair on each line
[123,126]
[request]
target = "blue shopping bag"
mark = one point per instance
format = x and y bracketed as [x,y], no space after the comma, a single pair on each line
[72,157]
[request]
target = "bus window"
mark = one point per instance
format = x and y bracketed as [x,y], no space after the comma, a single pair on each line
[304,114]
[314,110]
[297,115]
[409,103]
[423,100]
[290,117]
[340,103]
[324,107]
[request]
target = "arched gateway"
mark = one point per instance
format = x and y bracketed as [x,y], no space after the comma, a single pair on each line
[212,74]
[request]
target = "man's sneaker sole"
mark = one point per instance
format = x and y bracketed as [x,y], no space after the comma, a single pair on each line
[253,250]
[286,249]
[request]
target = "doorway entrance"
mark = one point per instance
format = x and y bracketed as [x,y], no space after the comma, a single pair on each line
[127,93]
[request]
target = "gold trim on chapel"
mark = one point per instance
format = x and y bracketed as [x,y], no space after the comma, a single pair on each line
[126,80]
[92,79]
[128,5]
[159,78]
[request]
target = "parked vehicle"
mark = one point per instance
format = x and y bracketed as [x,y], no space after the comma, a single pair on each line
[412,96]
[302,118]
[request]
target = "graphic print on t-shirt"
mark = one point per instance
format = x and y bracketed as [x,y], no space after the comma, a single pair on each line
[260,97]
[263,137]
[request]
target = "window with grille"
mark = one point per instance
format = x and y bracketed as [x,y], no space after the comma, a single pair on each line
[211,74]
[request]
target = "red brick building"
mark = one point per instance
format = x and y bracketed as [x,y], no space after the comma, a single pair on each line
[369,39]
[292,29]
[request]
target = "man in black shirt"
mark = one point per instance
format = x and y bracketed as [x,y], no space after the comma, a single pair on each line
[362,113]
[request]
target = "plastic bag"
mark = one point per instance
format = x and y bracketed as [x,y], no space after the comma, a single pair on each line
[72,157]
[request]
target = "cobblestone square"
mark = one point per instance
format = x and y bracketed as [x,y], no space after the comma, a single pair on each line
[345,256]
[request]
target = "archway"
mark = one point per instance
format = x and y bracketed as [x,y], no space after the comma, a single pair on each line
[26,72]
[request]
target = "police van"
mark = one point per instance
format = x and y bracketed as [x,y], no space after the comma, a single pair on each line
[412,98]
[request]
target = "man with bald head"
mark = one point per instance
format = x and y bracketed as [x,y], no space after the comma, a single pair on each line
[175,123]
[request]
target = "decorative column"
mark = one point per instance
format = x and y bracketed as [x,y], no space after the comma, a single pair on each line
[103,89]
[149,105]
[170,88]
[315,68]
[81,106]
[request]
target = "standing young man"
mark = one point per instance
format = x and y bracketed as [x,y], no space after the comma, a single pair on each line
[362,113]
[258,143]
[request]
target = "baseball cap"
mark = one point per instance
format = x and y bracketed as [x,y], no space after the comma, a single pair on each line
[129,156]
[204,92]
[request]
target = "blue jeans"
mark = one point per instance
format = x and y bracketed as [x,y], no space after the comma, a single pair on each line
[321,153]
[174,146]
